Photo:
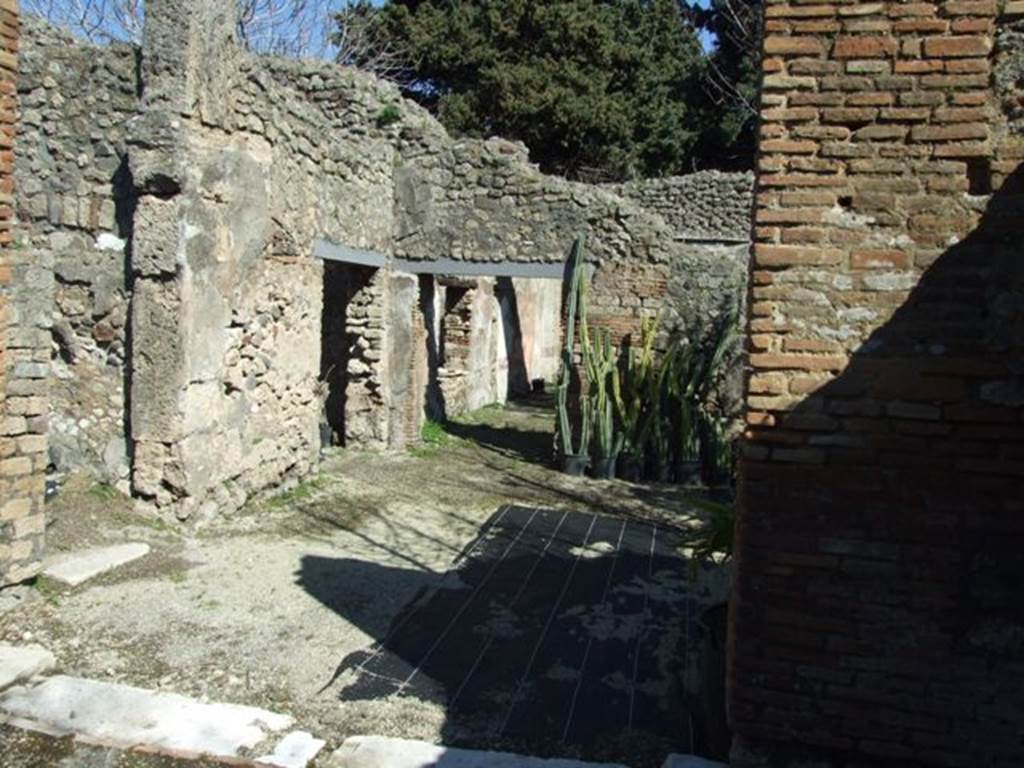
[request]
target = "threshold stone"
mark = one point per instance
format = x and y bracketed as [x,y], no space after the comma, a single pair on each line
[691,761]
[20,662]
[114,715]
[381,752]
[74,568]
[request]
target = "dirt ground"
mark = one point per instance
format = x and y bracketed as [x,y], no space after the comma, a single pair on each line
[261,606]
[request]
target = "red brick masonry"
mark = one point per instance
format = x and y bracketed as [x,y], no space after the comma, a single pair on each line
[22,373]
[878,613]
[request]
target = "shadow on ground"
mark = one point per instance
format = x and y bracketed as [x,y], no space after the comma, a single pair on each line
[522,430]
[554,633]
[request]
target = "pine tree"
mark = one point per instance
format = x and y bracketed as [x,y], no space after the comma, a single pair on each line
[606,89]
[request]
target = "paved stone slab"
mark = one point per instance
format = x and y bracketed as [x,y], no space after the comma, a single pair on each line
[122,716]
[295,750]
[18,663]
[380,752]
[691,761]
[76,567]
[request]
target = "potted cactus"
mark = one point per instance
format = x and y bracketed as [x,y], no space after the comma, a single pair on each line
[631,390]
[716,450]
[575,458]
[684,385]
[600,359]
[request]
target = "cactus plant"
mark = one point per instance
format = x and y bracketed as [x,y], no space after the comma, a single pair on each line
[576,304]
[696,367]
[632,387]
[600,358]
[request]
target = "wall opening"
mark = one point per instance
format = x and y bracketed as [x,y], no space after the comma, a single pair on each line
[343,344]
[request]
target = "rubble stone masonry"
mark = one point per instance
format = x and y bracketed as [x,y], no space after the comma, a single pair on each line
[878,615]
[172,197]
[22,367]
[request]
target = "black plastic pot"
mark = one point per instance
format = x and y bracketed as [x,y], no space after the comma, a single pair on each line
[326,433]
[687,472]
[714,624]
[603,469]
[575,465]
[658,472]
[630,467]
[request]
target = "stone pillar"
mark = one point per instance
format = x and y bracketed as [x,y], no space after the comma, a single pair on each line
[201,226]
[877,614]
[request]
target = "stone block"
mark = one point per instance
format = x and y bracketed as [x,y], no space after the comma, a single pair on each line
[74,568]
[295,750]
[691,761]
[18,663]
[157,242]
[381,752]
[159,370]
[130,718]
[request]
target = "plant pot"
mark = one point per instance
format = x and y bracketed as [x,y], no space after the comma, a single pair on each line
[575,465]
[714,630]
[326,433]
[603,468]
[659,472]
[688,472]
[630,467]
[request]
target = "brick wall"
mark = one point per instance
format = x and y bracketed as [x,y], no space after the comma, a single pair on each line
[878,615]
[22,361]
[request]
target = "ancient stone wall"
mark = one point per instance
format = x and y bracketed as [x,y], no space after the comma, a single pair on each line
[706,205]
[75,201]
[484,201]
[227,301]
[191,183]
[877,614]
[24,348]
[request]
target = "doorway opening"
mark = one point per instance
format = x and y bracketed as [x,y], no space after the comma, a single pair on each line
[348,341]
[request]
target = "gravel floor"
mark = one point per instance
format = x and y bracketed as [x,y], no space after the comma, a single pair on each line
[236,610]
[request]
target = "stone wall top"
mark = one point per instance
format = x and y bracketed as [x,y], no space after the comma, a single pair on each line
[707,205]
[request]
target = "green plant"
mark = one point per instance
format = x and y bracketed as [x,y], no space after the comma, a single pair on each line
[388,115]
[301,492]
[632,388]
[105,492]
[716,541]
[433,433]
[576,304]
[48,589]
[600,359]
[716,446]
[685,381]
[696,368]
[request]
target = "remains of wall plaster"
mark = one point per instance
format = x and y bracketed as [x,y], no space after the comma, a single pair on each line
[233,172]
[877,612]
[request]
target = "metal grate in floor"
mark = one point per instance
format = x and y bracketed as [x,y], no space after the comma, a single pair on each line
[554,627]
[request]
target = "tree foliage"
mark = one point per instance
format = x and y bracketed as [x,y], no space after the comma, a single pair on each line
[595,88]
[732,80]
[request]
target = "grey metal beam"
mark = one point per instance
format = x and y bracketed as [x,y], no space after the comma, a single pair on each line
[322,249]
[550,271]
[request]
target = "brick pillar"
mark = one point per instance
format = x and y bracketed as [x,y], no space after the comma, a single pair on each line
[878,613]
[23,354]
